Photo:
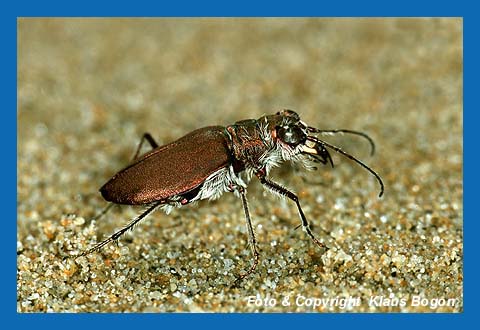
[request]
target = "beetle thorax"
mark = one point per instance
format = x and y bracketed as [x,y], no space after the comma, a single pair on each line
[256,147]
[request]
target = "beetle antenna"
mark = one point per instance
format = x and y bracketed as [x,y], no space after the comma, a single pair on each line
[342,131]
[340,151]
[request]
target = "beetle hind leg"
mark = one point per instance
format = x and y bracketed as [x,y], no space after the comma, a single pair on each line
[116,236]
[153,144]
[103,212]
[150,139]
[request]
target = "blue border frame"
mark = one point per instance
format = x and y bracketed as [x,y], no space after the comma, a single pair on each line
[247,8]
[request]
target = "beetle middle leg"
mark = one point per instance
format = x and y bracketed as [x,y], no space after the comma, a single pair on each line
[251,235]
[278,189]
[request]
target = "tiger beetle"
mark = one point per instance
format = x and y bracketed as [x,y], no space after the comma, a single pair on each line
[212,160]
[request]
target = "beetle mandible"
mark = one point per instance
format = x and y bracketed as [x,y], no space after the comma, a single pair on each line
[212,160]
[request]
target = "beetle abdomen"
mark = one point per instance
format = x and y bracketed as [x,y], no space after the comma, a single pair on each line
[170,170]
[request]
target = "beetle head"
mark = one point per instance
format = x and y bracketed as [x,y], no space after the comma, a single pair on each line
[301,139]
[291,132]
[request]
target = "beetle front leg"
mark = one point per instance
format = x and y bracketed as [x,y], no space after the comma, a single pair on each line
[278,189]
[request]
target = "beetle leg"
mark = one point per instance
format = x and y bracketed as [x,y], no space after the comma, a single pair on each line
[153,144]
[103,212]
[115,237]
[251,234]
[150,139]
[278,189]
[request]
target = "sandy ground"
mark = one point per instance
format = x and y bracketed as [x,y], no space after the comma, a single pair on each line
[89,88]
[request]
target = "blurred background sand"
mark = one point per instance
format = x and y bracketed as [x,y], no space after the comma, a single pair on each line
[89,88]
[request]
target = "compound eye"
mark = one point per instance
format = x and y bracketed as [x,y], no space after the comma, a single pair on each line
[291,135]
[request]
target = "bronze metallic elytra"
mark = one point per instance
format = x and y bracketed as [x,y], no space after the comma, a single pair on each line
[212,160]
